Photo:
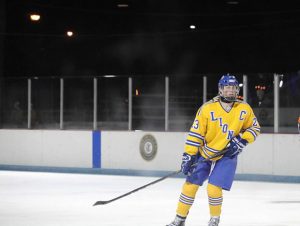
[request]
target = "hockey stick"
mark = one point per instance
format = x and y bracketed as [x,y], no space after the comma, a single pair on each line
[156,181]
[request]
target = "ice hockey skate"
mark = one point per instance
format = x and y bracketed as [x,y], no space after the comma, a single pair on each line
[214,221]
[178,221]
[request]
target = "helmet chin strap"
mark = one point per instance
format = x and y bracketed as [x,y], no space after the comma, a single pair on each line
[223,99]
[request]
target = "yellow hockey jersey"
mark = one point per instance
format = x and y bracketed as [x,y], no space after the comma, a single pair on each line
[214,127]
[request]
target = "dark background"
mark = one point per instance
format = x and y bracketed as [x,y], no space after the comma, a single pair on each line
[147,41]
[149,37]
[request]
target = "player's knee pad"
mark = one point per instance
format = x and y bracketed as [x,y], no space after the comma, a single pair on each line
[190,189]
[214,191]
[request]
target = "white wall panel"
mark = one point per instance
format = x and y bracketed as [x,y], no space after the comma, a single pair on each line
[257,158]
[46,148]
[120,150]
[20,147]
[67,148]
[271,154]
[286,159]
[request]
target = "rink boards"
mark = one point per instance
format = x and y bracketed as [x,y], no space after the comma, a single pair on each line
[271,155]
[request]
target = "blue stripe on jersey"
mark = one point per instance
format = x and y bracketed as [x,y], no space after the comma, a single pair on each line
[211,149]
[205,152]
[193,143]
[197,135]
[252,132]
[256,129]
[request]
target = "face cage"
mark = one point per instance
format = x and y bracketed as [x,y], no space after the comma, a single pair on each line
[229,99]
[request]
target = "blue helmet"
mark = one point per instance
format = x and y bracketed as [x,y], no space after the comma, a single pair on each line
[228,80]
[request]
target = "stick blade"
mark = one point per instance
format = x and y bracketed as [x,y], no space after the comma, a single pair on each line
[100,203]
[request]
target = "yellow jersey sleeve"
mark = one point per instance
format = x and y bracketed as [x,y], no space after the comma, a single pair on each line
[251,127]
[195,137]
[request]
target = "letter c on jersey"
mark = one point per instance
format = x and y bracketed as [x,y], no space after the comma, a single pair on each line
[241,115]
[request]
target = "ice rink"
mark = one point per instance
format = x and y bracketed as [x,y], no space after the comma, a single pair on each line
[57,199]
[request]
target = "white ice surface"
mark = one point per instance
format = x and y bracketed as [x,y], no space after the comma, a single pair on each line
[40,199]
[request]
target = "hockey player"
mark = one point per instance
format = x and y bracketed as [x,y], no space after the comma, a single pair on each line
[221,123]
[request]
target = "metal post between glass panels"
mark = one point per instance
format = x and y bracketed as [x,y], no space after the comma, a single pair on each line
[204,89]
[29,103]
[129,103]
[166,103]
[95,104]
[245,88]
[276,103]
[61,111]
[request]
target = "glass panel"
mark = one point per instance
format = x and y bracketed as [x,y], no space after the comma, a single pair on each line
[289,102]
[261,99]
[212,85]
[185,98]
[45,103]
[14,103]
[112,99]
[148,103]
[78,103]
[239,77]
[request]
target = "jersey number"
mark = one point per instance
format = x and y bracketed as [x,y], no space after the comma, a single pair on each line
[196,124]
[255,122]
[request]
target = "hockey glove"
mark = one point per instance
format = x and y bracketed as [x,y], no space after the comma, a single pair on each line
[236,146]
[188,163]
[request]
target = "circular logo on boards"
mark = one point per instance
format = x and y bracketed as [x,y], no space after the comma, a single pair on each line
[148,147]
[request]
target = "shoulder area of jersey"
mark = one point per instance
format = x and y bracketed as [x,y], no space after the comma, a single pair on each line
[241,102]
[213,100]
[206,104]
